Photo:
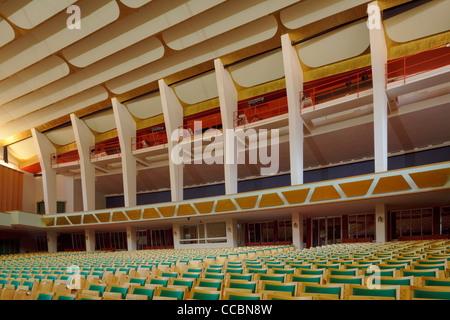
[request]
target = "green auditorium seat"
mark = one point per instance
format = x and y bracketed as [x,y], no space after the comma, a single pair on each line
[324,289]
[307,278]
[384,291]
[346,279]
[121,290]
[144,291]
[242,284]
[172,293]
[99,288]
[435,293]
[45,296]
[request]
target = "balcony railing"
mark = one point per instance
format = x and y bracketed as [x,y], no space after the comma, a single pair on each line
[260,112]
[337,88]
[148,140]
[201,125]
[406,67]
[104,149]
[58,159]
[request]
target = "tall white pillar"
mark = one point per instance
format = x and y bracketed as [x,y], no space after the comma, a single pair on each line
[85,139]
[44,150]
[173,117]
[126,130]
[380,222]
[131,238]
[90,239]
[232,233]
[294,85]
[297,230]
[228,105]
[378,50]
[52,241]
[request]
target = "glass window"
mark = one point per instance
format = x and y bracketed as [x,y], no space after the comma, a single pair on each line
[370,226]
[337,230]
[352,227]
[60,207]
[267,231]
[330,230]
[415,222]
[445,220]
[188,234]
[427,221]
[216,229]
[361,226]
[285,230]
[216,232]
[406,223]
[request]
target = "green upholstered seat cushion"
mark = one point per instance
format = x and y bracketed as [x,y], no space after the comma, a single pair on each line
[390,293]
[323,290]
[275,287]
[237,297]
[241,285]
[43,296]
[172,294]
[206,296]
[346,280]
[121,290]
[305,279]
[431,294]
[144,291]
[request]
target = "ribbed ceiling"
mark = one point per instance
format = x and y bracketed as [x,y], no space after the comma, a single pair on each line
[48,71]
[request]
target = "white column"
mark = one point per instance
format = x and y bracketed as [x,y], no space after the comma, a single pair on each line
[228,105]
[65,191]
[380,222]
[85,139]
[173,117]
[126,130]
[232,233]
[52,241]
[378,50]
[90,239]
[131,238]
[176,236]
[294,85]
[297,230]
[44,150]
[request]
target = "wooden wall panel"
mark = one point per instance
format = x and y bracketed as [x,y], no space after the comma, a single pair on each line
[2,183]
[11,189]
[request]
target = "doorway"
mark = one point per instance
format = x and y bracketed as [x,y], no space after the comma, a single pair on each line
[326,231]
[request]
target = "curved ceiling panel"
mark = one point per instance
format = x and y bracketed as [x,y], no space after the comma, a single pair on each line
[55,111]
[250,34]
[24,149]
[33,78]
[262,69]
[219,20]
[344,43]
[307,12]
[135,3]
[52,36]
[61,136]
[425,20]
[146,107]
[28,14]
[198,89]
[123,62]
[7,33]
[101,122]
[134,28]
